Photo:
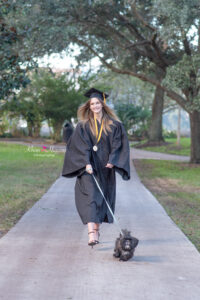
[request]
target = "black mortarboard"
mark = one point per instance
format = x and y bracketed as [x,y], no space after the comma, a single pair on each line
[96,93]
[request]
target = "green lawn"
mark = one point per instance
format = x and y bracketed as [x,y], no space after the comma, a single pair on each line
[172,148]
[25,175]
[176,185]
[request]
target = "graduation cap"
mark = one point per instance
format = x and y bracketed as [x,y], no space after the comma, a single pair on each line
[97,94]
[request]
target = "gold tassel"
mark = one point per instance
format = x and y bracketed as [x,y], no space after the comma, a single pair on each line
[104,98]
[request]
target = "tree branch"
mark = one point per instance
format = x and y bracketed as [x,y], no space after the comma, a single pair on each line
[170,108]
[158,51]
[132,29]
[143,46]
[199,37]
[187,46]
[118,36]
[149,50]
[173,95]
[142,43]
[142,51]
[139,17]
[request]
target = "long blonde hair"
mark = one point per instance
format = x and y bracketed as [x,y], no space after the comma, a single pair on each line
[85,114]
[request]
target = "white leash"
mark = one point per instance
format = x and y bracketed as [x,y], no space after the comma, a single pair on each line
[107,204]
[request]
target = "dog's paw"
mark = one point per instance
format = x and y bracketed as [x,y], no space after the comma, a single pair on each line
[116,254]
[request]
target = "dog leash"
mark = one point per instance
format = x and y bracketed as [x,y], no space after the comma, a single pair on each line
[117,223]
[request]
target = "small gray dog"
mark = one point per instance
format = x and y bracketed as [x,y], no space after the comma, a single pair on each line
[125,245]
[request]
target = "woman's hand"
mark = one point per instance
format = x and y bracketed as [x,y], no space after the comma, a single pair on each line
[109,165]
[89,169]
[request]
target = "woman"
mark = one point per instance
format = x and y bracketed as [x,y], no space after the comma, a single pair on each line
[99,145]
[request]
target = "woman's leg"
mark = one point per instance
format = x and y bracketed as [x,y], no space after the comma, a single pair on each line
[96,226]
[91,228]
[96,230]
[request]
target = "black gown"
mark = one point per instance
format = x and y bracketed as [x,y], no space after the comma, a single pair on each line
[114,149]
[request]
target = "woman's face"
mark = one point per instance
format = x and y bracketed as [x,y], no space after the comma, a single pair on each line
[95,105]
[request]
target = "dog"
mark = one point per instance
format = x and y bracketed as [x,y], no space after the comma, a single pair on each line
[125,246]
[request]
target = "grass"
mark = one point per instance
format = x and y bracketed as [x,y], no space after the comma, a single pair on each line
[25,175]
[171,148]
[176,186]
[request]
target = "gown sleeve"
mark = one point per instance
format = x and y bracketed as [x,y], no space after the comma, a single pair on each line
[77,154]
[120,152]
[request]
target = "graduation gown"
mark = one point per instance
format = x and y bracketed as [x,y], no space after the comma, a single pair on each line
[112,148]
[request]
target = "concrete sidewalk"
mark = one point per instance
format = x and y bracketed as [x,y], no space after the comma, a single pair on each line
[45,256]
[144,154]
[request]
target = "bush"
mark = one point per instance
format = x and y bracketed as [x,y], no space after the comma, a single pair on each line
[6,135]
[20,132]
[135,119]
[169,134]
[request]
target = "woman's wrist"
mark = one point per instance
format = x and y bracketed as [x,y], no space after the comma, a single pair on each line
[109,165]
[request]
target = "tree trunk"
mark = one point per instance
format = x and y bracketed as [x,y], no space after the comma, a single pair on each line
[37,128]
[179,127]
[30,129]
[57,132]
[195,137]
[50,125]
[155,130]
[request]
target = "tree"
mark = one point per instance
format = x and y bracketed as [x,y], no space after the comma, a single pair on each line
[100,24]
[50,97]
[129,37]
[59,99]
[26,105]
[12,74]
[4,123]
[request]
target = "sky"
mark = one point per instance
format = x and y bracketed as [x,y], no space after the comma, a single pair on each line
[64,61]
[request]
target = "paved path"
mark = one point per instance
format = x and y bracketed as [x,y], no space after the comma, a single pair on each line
[143,154]
[45,256]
